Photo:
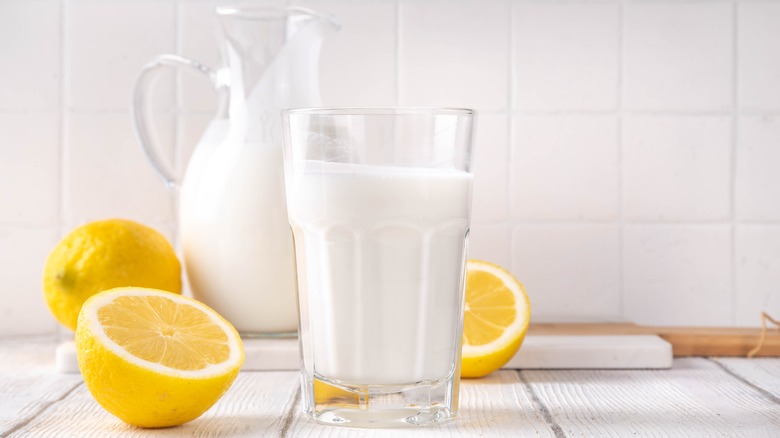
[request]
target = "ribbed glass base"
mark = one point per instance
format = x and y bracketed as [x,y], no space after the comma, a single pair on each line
[375,406]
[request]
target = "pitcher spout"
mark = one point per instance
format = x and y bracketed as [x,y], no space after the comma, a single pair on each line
[272,57]
[252,38]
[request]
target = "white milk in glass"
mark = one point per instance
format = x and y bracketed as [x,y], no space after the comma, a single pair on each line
[381,253]
[235,234]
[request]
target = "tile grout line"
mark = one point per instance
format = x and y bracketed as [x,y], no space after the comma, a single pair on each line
[548,418]
[733,167]
[764,392]
[155,112]
[63,107]
[398,53]
[289,414]
[177,87]
[641,222]
[515,112]
[643,112]
[538,113]
[620,175]
[177,120]
[41,410]
[511,138]
[64,149]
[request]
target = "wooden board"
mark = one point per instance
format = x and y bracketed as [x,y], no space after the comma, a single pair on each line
[686,341]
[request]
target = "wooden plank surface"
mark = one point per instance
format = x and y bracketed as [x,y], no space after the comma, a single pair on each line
[697,397]
[28,382]
[254,406]
[764,373]
[686,341]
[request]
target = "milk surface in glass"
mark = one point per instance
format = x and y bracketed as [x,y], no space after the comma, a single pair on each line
[380,251]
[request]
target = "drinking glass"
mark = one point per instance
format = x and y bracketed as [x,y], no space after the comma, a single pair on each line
[379,202]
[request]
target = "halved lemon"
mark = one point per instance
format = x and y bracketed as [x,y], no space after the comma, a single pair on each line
[496,318]
[154,358]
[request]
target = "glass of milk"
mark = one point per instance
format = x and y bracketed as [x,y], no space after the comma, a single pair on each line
[379,202]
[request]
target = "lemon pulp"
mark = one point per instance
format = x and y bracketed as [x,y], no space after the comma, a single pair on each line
[496,318]
[153,358]
[156,329]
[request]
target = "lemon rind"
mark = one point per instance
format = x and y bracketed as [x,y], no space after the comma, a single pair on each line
[234,360]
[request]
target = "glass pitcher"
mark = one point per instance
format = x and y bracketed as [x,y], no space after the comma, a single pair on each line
[235,236]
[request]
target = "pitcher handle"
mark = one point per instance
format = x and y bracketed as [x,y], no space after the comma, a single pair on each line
[141,89]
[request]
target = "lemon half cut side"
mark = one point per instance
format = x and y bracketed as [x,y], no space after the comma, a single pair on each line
[153,358]
[496,318]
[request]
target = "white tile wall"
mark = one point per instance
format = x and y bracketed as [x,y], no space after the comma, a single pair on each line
[678,274]
[565,167]
[106,174]
[107,43]
[491,168]
[571,272]
[30,168]
[566,55]
[454,54]
[191,128]
[758,52]
[198,29]
[23,253]
[30,78]
[491,242]
[688,160]
[627,151]
[757,272]
[359,61]
[678,55]
[758,168]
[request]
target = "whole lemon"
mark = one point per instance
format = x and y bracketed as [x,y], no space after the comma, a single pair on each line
[103,255]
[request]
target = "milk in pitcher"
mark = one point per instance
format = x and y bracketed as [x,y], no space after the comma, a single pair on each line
[237,246]
[234,233]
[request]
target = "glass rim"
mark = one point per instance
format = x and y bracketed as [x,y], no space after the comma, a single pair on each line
[378,111]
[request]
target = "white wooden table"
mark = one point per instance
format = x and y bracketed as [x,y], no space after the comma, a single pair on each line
[697,397]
